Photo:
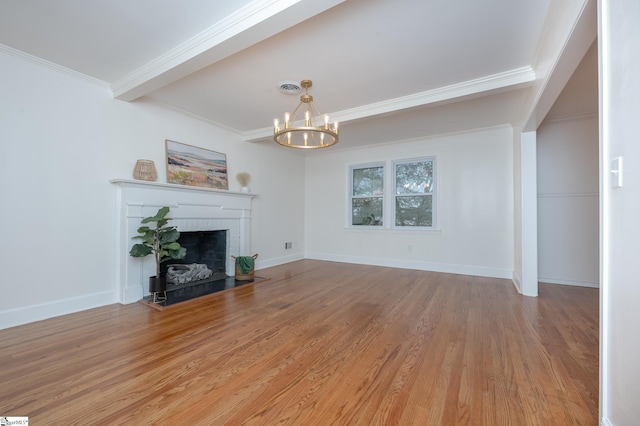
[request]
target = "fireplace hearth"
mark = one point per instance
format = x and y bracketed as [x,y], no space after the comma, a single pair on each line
[197,289]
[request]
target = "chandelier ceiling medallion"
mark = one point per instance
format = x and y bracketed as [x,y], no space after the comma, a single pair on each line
[305,127]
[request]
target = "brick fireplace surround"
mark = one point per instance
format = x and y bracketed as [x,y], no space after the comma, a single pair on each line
[192,209]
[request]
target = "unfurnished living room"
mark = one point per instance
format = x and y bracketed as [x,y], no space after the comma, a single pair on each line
[320,212]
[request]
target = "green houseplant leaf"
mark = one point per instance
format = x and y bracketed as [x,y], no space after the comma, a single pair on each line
[160,240]
[140,250]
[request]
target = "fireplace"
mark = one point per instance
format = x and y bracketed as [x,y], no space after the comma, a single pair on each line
[205,260]
[196,212]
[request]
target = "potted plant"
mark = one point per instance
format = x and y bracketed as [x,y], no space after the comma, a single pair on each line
[161,241]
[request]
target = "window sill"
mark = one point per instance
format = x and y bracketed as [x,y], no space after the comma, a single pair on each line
[397,230]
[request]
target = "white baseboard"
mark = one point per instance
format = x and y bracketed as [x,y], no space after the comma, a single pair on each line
[132,294]
[517,281]
[420,265]
[27,314]
[568,282]
[261,264]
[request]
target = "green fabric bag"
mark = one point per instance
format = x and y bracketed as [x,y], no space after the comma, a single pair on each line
[245,263]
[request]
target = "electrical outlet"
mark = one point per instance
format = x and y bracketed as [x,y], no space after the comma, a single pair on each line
[288,245]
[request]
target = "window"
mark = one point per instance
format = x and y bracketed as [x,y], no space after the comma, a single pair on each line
[413,182]
[367,195]
[412,202]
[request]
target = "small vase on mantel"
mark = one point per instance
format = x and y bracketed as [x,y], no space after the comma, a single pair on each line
[243,179]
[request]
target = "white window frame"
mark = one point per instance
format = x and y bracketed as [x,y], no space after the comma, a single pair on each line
[393,195]
[383,197]
[389,195]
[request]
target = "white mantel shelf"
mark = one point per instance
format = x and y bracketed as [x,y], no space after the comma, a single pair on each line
[192,209]
[173,186]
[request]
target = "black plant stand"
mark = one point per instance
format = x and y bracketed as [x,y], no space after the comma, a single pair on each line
[158,289]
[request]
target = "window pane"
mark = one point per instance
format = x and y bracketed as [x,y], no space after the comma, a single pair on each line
[368,181]
[366,211]
[414,211]
[414,178]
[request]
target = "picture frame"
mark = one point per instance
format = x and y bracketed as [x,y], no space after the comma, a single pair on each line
[194,166]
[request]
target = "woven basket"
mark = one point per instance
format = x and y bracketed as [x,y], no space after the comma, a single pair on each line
[244,277]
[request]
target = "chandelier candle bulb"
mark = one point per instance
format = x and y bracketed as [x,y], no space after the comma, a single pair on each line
[326,122]
[276,124]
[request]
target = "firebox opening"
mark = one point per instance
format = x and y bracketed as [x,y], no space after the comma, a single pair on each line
[205,260]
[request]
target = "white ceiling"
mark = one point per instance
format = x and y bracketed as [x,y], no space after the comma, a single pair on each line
[387,70]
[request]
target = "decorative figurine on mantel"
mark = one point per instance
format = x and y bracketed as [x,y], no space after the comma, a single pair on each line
[244,178]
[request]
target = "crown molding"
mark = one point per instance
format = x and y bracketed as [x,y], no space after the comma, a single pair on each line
[424,138]
[508,80]
[52,66]
[570,117]
[210,45]
[257,135]
[512,79]
[150,101]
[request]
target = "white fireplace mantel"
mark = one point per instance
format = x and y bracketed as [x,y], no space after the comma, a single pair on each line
[192,209]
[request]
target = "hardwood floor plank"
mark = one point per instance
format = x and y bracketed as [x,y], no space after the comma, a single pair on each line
[319,343]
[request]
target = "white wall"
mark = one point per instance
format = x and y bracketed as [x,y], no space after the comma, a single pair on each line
[619,47]
[568,212]
[63,140]
[474,207]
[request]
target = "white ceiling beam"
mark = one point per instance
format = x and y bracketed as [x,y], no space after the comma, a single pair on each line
[560,52]
[251,24]
[508,80]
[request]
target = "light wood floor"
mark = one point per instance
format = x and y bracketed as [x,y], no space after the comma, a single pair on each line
[319,344]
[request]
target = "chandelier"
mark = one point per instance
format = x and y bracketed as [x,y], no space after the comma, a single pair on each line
[304,128]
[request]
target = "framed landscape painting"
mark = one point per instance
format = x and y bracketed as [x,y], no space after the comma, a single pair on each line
[193,166]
